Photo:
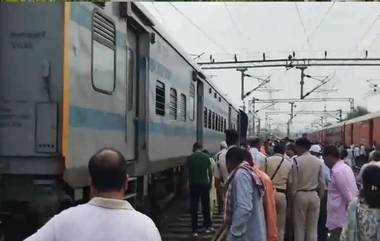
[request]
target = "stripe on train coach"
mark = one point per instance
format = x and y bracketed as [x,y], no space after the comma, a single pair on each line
[81,117]
[95,119]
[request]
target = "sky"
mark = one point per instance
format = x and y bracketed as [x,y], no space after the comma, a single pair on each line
[247,29]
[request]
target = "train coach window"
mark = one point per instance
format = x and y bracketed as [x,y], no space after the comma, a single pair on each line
[205,117]
[218,122]
[131,72]
[182,108]
[209,119]
[213,121]
[103,53]
[173,104]
[192,102]
[160,98]
[221,123]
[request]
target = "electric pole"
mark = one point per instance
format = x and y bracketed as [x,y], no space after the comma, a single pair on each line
[340,113]
[243,75]
[302,68]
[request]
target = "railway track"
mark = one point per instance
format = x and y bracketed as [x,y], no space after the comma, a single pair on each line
[179,228]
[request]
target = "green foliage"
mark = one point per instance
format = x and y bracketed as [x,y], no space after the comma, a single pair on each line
[358,111]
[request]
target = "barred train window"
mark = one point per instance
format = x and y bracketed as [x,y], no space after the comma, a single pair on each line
[103,53]
[209,119]
[131,71]
[217,122]
[173,104]
[160,98]
[182,108]
[192,102]
[213,120]
[205,117]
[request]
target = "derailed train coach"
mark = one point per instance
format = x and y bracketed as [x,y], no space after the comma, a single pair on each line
[360,130]
[77,77]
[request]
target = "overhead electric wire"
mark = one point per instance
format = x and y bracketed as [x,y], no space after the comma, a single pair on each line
[235,26]
[367,31]
[373,40]
[199,29]
[323,18]
[303,25]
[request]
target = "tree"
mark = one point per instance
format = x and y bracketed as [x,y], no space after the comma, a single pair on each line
[358,111]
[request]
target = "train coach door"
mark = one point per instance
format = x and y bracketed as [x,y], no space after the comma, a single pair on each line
[131,93]
[200,107]
[229,117]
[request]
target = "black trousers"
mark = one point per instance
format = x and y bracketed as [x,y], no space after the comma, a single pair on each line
[322,230]
[200,191]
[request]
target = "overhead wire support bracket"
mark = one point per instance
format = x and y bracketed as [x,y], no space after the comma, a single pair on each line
[264,82]
[275,101]
[290,63]
[323,81]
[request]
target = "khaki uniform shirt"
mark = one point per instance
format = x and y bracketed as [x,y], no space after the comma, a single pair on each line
[283,175]
[307,174]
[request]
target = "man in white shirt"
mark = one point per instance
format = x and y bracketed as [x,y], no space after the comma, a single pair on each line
[106,216]
[219,194]
[356,151]
[254,144]
[363,151]
[221,172]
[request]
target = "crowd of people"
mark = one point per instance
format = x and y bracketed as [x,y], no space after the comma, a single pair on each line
[272,191]
[286,190]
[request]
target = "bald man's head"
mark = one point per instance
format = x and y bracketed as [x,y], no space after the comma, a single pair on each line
[108,170]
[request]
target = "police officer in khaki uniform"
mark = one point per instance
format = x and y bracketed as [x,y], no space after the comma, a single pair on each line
[308,186]
[279,170]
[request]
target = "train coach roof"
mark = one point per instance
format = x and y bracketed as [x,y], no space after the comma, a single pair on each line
[354,120]
[160,30]
[333,126]
[364,117]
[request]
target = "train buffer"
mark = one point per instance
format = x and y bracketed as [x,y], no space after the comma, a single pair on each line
[179,228]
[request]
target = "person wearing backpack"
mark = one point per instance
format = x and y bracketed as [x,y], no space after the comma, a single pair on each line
[279,170]
[363,223]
